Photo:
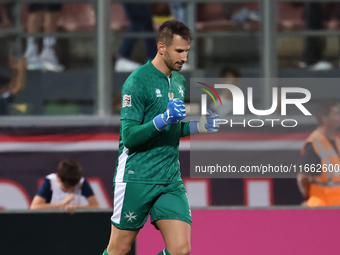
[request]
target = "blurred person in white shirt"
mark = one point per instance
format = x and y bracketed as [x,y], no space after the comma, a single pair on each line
[229,76]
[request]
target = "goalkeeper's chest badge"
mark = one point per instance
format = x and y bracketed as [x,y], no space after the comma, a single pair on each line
[171,95]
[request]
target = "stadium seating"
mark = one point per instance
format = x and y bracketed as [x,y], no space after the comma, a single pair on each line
[78,18]
[210,17]
[119,21]
[82,17]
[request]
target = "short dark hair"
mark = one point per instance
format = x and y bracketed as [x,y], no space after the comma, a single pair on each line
[170,28]
[229,70]
[323,109]
[69,172]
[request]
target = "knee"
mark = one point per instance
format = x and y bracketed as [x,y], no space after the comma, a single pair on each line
[180,249]
[118,249]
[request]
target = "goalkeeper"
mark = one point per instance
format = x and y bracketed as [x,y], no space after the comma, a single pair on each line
[147,180]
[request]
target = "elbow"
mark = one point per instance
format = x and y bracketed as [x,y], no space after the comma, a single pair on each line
[95,205]
[34,207]
[128,145]
[128,142]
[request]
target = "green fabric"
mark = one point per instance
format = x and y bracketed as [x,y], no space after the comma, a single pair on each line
[164,252]
[185,129]
[135,134]
[147,156]
[105,253]
[160,201]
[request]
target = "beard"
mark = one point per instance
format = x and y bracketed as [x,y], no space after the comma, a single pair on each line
[170,64]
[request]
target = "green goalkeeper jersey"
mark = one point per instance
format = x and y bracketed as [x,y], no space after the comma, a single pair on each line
[145,94]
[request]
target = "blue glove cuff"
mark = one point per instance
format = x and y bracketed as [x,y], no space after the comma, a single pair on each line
[159,123]
[193,127]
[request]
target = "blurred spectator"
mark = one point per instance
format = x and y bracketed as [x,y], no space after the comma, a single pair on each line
[9,89]
[245,15]
[180,11]
[5,16]
[46,16]
[230,76]
[64,189]
[116,102]
[312,57]
[319,185]
[140,18]
[160,13]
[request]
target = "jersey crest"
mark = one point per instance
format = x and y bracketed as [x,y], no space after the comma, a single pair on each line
[171,96]
[127,101]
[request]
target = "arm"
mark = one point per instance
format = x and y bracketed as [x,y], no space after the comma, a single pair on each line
[135,134]
[303,179]
[87,192]
[40,203]
[19,74]
[93,203]
[303,184]
[43,197]
[185,131]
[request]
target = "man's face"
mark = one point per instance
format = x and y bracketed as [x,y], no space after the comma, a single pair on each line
[333,118]
[177,54]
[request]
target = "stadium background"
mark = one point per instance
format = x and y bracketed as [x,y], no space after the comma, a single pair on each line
[38,134]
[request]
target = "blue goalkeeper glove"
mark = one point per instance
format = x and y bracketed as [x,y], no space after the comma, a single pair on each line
[175,111]
[207,124]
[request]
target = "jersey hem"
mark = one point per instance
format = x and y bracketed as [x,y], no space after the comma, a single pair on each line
[150,182]
[125,228]
[153,222]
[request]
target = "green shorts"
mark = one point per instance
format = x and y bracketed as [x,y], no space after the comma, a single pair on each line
[133,202]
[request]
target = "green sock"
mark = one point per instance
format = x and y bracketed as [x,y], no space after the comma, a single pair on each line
[105,253]
[164,252]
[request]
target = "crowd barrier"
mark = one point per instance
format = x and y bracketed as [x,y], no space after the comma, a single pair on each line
[282,231]
[215,230]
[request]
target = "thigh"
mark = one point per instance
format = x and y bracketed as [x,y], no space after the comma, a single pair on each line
[121,240]
[172,205]
[132,203]
[176,235]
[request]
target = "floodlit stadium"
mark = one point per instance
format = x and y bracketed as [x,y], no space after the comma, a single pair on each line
[169,127]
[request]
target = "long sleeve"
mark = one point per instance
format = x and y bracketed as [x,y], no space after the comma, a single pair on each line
[185,129]
[135,134]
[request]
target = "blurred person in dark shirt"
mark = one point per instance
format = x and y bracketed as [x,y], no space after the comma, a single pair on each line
[9,89]
[312,57]
[65,189]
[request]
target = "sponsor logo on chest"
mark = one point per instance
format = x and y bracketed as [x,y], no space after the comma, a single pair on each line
[159,93]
